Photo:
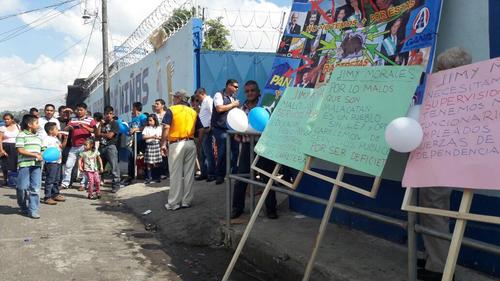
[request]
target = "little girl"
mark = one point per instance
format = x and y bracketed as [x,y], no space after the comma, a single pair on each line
[152,135]
[91,165]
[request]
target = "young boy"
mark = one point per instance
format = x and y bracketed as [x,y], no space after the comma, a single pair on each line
[53,169]
[29,178]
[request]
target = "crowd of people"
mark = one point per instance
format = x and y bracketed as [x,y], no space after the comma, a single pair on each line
[174,141]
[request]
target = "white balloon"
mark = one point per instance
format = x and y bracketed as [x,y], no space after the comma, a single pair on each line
[404,134]
[414,112]
[237,120]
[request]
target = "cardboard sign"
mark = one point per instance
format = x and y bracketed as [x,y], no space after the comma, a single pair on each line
[357,105]
[282,139]
[460,118]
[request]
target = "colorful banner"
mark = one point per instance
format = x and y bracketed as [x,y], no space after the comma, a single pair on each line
[322,35]
[286,131]
[357,105]
[460,118]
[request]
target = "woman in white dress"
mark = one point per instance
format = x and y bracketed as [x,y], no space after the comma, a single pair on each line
[8,153]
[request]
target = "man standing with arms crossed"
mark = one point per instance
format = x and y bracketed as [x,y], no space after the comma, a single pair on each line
[179,124]
[107,133]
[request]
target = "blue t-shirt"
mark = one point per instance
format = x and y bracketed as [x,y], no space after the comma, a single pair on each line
[138,121]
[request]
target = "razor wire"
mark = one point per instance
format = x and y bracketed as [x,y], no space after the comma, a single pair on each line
[259,19]
[250,30]
[260,33]
[137,44]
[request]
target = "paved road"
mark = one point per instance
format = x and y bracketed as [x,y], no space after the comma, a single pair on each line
[79,239]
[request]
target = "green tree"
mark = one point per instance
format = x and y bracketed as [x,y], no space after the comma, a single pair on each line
[178,19]
[216,35]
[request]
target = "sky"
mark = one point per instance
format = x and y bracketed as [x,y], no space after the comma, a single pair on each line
[42,52]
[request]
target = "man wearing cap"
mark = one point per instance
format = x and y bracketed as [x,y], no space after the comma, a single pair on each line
[179,124]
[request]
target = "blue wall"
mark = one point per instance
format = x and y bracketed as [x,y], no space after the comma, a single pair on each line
[218,66]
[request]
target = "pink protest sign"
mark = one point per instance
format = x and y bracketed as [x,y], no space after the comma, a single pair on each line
[460,117]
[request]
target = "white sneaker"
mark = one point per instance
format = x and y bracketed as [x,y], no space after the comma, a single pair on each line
[170,207]
[186,205]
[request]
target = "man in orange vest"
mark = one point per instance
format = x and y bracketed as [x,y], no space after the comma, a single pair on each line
[179,124]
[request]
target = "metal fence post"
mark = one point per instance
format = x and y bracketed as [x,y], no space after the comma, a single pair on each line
[135,155]
[228,179]
[252,174]
[412,242]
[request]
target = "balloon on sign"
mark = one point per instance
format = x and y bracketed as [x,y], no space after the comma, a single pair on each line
[403,134]
[51,154]
[258,118]
[237,120]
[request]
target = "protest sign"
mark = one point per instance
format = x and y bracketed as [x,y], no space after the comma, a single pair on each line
[357,105]
[460,118]
[282,139]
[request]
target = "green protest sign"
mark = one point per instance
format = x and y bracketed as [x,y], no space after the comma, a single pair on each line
[357,105]
[282,139]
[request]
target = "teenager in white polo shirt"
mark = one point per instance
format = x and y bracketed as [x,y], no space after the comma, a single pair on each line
[205,136]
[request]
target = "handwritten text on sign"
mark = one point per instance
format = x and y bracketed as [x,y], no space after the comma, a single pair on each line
[286,130]
[358,104]
[461,121]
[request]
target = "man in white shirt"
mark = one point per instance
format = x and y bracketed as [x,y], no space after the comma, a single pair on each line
[49,110]
[205,136]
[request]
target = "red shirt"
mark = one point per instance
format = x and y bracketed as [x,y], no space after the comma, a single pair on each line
[79,134]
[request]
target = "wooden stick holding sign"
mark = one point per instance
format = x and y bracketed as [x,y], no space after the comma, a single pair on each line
[462,216]
[324,223]
[458,235]
[292,185]
[249,227]
[329,207]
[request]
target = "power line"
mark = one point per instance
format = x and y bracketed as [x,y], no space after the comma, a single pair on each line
[16,34]
[21,27]
[54,57]
[87,48]
[35,10]
[31,87]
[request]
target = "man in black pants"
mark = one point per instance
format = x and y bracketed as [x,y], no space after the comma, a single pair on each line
[252,93]
[136,125]
[241,187]
[108,133]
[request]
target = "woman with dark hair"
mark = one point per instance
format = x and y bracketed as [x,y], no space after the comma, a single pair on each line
[8,152]
[152,135]
[342,14]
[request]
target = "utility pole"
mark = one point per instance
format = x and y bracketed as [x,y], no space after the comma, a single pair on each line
[105,57]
